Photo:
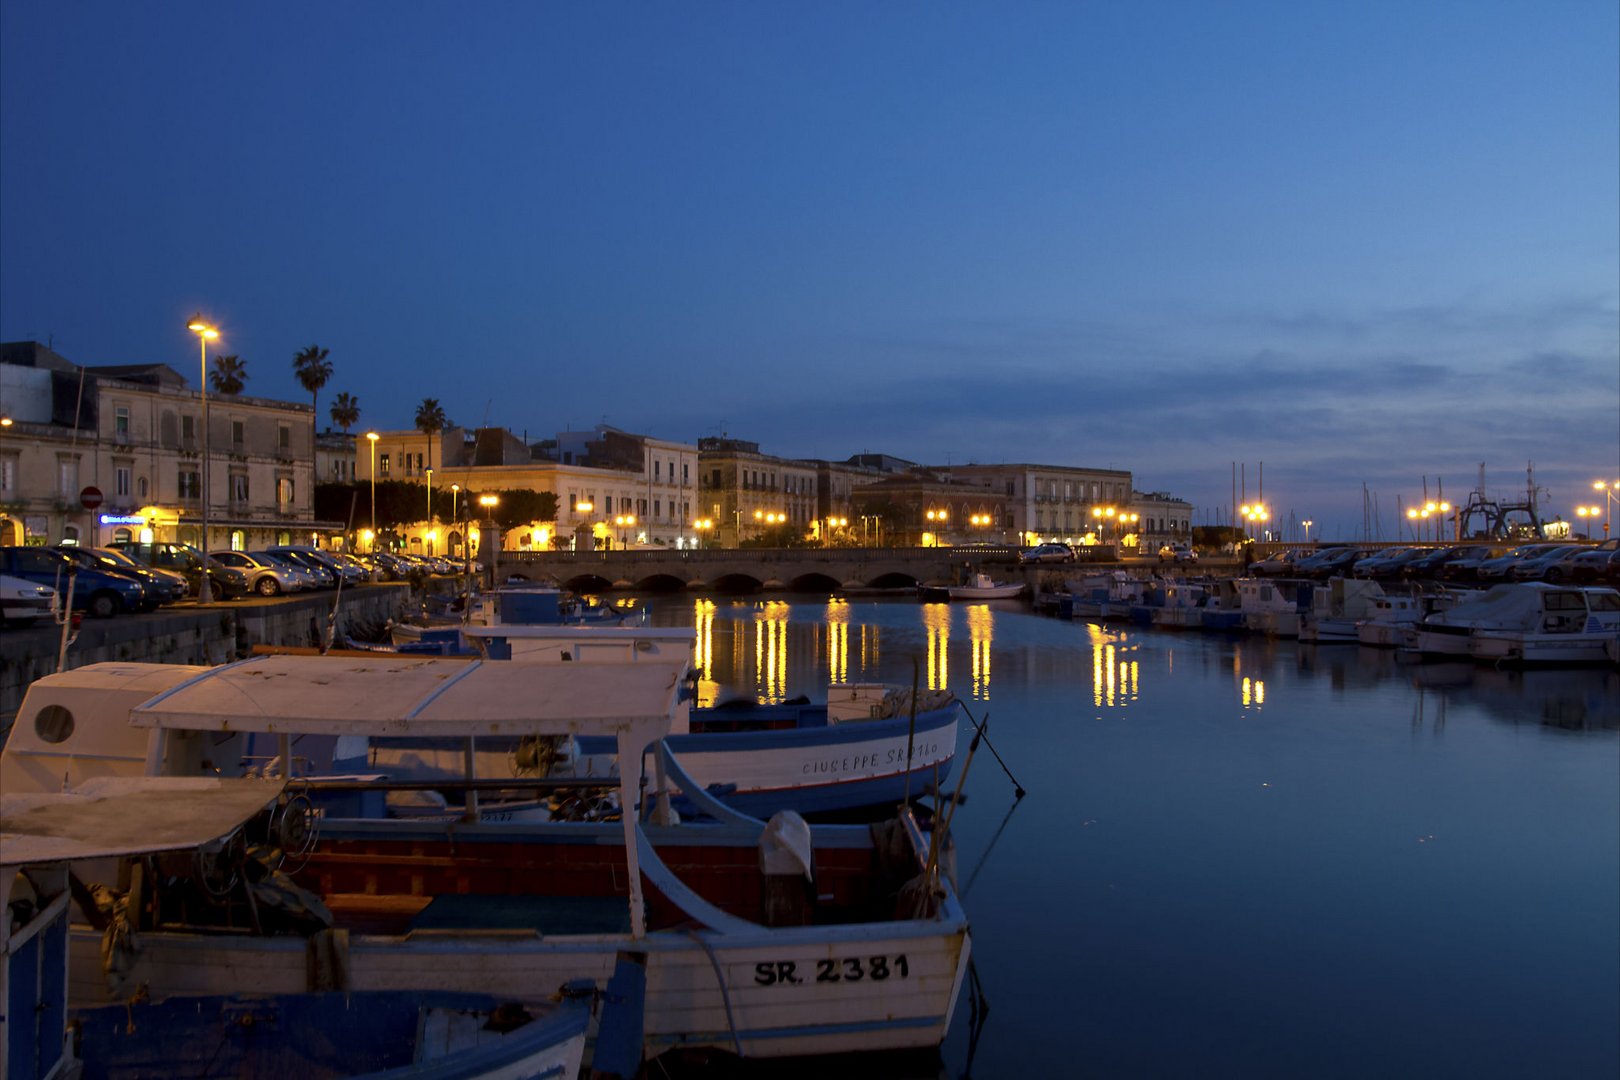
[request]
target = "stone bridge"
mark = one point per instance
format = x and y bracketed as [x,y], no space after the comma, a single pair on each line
[750,569]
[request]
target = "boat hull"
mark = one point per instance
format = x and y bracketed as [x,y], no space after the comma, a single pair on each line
[1509,647]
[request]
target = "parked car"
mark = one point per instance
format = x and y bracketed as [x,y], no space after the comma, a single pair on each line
[265,577]
[1501,567]
[22,601]
[351,575]
[1181,553]
[1047,553]
[188,561]
[98,592]
[1428,565]
[1388,564]
[158,590]
[1465,567]
[175,584]
[1551,565]
[304,577]
[385,566]
[1279,564]
[1592,562]
[1329,562]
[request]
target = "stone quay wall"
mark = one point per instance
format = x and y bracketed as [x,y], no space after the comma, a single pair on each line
[208,635]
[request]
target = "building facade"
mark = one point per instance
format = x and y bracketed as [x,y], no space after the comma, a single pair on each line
[1056,502]
[99,454]
[747,494]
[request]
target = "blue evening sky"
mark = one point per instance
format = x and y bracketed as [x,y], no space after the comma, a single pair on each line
[1364,243]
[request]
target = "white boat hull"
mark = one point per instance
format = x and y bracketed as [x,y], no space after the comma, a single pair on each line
[791,990]
[1516,647]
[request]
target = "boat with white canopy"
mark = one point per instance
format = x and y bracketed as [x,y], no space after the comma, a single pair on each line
[760,940]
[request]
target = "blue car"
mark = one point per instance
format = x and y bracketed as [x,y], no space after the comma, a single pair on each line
[95,591]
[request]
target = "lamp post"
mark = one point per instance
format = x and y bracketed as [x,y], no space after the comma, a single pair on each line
[205,333]
[1611,495]
[1589,512]
[1129,519]
[455,493]
[430,497]
[704,526]
[1255,514]
[1307,523]
[583,508]
[491,532]
[372,437]
[623,522]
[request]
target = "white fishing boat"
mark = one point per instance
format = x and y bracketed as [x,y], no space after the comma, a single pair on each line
[1104,596]
[865,744]
[1337,609]
[762,941]
[1509,607]
[981,586]
[1181,606]
[1554,625]
[1272,606]
[182,824]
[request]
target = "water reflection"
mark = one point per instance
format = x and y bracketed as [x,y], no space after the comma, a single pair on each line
[771,652]
[980,632]
[703,654]
[937,626]
[837,617]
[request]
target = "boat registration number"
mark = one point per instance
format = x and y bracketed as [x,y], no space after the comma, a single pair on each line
[850,969]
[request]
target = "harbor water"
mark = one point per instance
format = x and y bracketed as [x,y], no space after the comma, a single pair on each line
[1240,856]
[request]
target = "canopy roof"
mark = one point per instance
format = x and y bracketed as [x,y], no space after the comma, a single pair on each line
[135,815]
[388,694]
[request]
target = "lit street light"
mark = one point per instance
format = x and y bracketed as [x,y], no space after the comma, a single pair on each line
[205,334]
[1307,523]
[372,437]
[490,538]
[1611,495]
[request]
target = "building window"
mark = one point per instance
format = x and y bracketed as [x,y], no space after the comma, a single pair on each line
[238,540]
[121,481]
[67,477]
[70,534]
[239,488]
[382,466]
[684,467]
[140,488]
[121,423]
[283,438]
[122,536]
[8,477]
[607,505]
[284,493]
[190,484]
[658,469]
[238,434]
[188,431]
[657,508]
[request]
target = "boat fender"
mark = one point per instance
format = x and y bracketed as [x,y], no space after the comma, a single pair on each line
[784,846]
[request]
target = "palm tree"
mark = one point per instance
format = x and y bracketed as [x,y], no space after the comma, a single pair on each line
[346,411]
[430,420]
[229,374]
[313,369]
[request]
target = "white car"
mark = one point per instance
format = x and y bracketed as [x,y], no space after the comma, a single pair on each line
[1181,553]
[22,602]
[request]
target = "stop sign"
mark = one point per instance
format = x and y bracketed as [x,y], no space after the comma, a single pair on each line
[90,497]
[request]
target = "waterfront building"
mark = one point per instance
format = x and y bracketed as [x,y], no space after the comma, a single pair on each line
[128,438]
[746,493]
[1055,502]
[1165,519]
[922,509]
[613,488]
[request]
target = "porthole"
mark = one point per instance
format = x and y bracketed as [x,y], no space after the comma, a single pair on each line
[54,724]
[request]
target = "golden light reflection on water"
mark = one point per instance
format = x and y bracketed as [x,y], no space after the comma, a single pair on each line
[703,652]
[771,652]
[837,640]
[937,626]
[980,630]
[1254,693]
[1114,674]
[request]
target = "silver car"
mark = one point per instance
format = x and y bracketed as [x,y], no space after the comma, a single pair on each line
[265,577]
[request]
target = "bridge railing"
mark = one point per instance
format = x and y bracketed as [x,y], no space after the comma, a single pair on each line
[698,556]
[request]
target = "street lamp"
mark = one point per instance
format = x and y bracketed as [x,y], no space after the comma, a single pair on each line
[205,333]
[490,531]
[1131,520]
[1589,512]
[1307,523]
[623,522]
[372,437]
[1257,514]
[455,493]
[1611,495]
[430,496]
[703,525]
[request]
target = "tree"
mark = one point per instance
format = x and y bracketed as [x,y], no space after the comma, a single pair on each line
[430,420]
[346,411]
[313,370]
[229,374]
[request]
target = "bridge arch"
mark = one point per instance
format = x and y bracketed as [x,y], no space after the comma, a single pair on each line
[893,579]
[661,583]
[588,583]
[813,582]
[735,583]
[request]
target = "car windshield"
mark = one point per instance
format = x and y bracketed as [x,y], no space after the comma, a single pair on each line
[117,556]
